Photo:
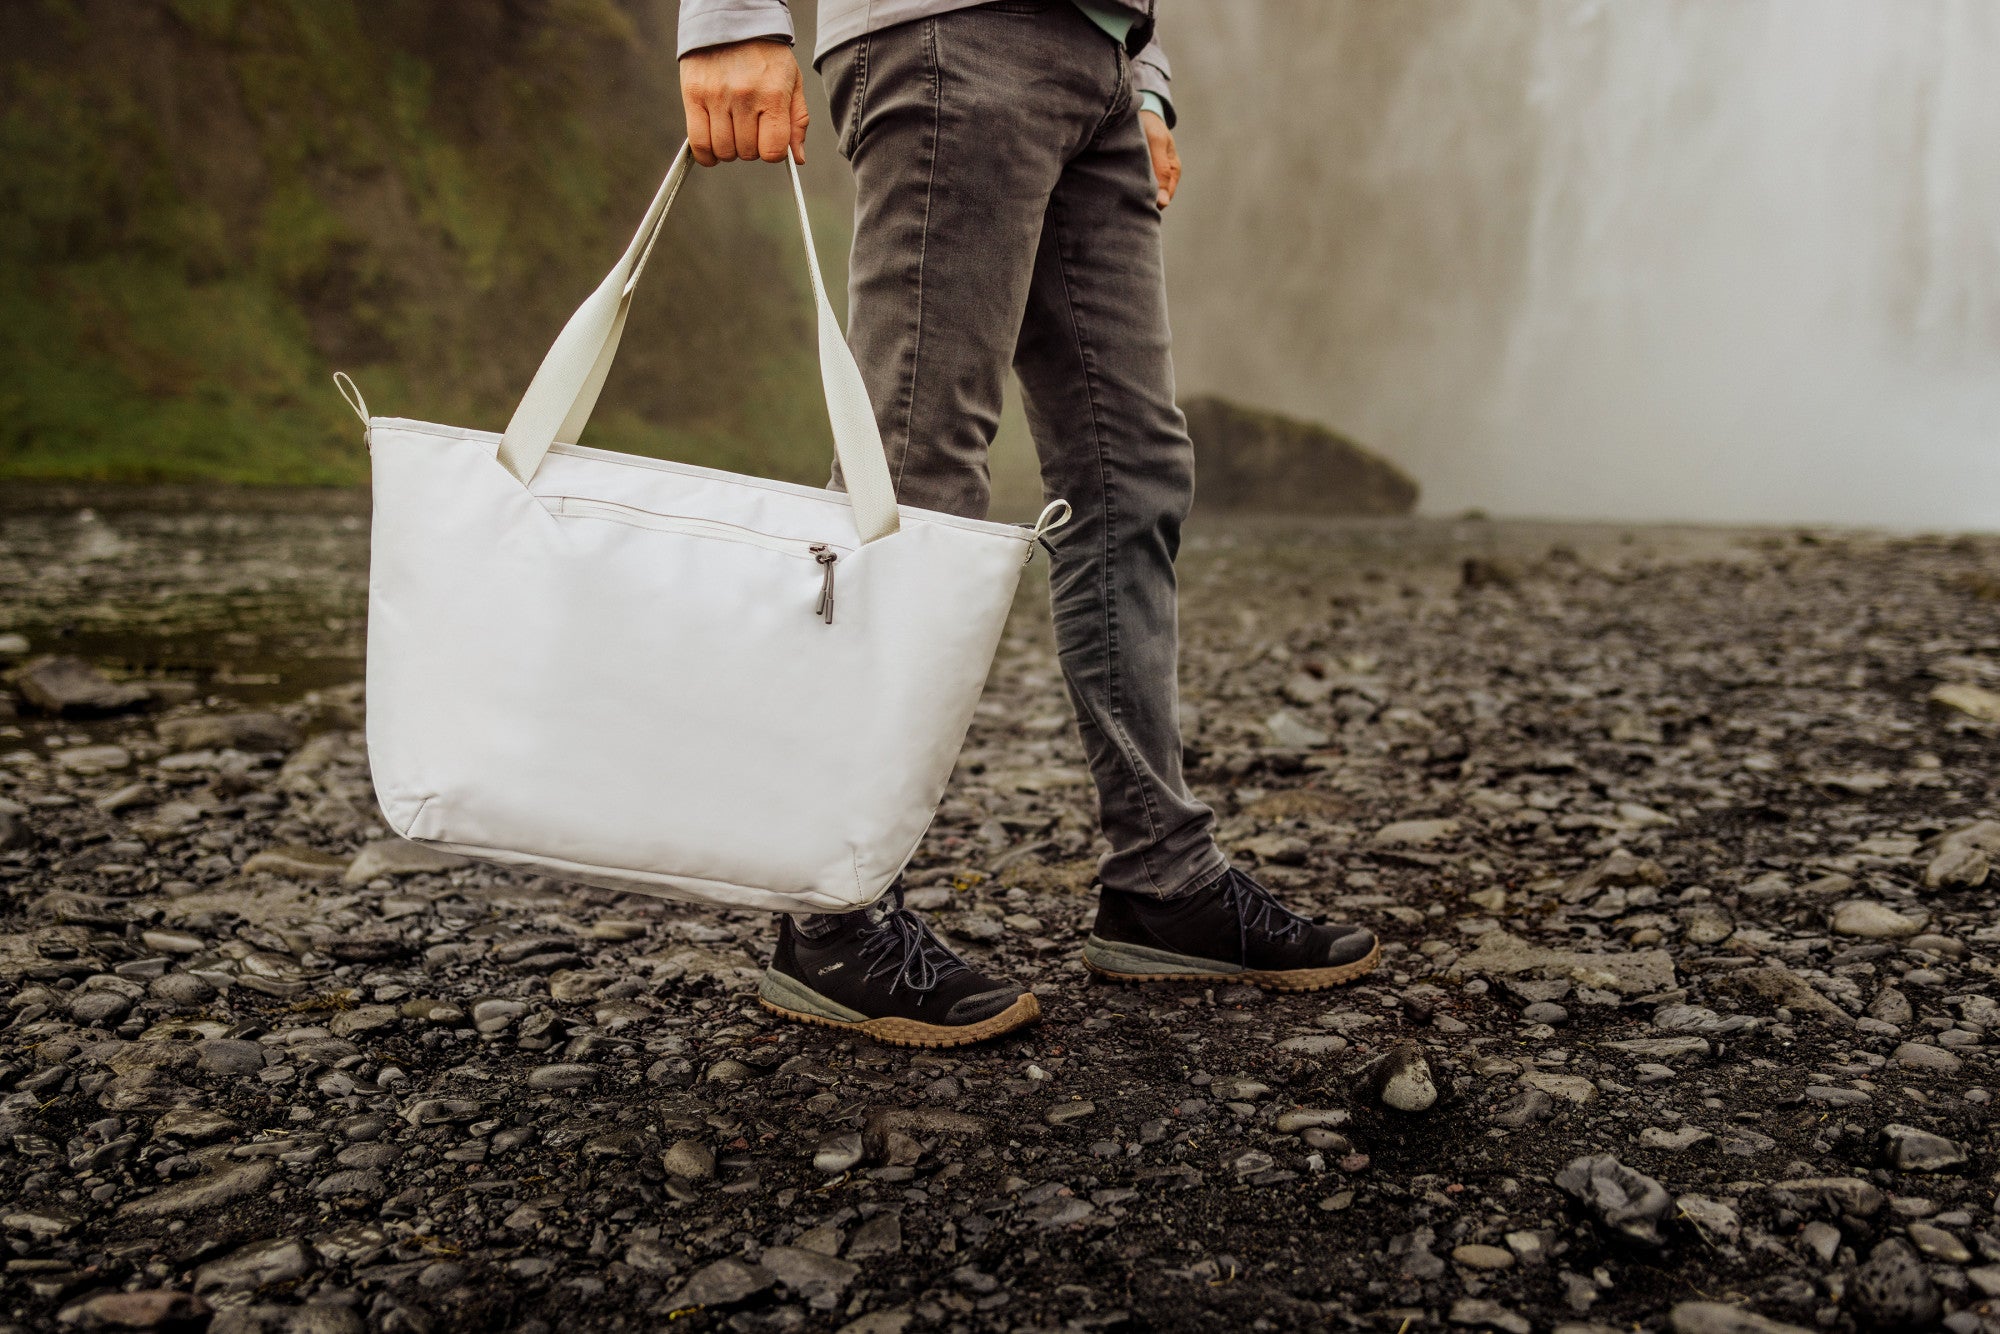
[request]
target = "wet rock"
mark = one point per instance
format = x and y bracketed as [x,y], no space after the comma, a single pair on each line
[73,688]
[1722,1318]
[1307,1118]
[429,1010]
[723,1283]
[1783,988]
[1975,702]
[1483,1313]
[1400,1079]
[1474,1255]
[149,1308]
[295,863]
[1716,1221]
[1638,973]
[1705,924]
[229,1057]
[1923,1056]
[1844,1195]
[1565,1088]
[259,1265]
[880,1235]
[1938,1244]
[1063,1113]
[1908,1149]
[1290,732]
[1415,833]
[1662,1049]
[1874,921]
[1822,1239]
[837,1154]
[1891,1006]
[201,1194]
[399,857]
[1958,867]
[1524,1108]
[566,1076]
[196,1125]
[181,990]
[229,731]
[364,1019]
[692,1160]
[1619,870]
[90,761]
[355,1184]
[98,1007]
[810,1274]
[1629,1203]
[1893,1291]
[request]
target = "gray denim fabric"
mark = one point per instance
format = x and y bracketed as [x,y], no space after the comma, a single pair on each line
[1005,215]
[716,22]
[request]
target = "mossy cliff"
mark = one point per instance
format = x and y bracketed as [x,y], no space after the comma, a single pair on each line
[206,206]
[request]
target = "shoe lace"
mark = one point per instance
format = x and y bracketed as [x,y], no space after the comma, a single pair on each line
[902,943]
[1256,909]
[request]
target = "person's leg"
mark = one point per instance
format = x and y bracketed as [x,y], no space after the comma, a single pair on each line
[1098,384]
[958,128]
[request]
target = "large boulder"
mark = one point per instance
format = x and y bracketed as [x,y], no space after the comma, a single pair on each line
[1248,459]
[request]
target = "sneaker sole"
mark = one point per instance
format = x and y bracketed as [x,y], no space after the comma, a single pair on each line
[791,998]
[1136,963]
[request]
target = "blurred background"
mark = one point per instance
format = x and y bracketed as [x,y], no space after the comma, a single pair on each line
[1660,260]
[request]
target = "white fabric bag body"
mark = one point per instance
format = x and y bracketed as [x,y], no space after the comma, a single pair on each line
[662,677]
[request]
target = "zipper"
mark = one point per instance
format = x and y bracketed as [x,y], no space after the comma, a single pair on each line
[824,554]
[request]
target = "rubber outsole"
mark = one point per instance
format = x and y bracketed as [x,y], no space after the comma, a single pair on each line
[1286,979]
[902,1032]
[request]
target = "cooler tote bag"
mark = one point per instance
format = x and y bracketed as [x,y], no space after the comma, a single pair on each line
[668,678]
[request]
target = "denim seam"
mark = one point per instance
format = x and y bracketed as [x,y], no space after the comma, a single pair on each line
[1120,739]
[857,102]
[935,60]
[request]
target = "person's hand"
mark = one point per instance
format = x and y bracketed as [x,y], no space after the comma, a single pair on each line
[1166,162]
[744,100]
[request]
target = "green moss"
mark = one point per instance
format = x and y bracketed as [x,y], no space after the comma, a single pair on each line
[206,209]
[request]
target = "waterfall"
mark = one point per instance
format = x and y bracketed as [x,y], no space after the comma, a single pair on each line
[1657,259]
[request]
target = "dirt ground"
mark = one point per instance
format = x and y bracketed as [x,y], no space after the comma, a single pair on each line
[1679,840]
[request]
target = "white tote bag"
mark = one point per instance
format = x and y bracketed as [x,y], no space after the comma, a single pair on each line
[662,677]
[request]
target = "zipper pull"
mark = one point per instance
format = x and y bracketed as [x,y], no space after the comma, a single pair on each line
[826,556]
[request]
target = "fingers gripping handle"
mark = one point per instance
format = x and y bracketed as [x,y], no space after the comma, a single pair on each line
[559,400]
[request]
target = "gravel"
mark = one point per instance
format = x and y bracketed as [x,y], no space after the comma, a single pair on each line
[1679,849]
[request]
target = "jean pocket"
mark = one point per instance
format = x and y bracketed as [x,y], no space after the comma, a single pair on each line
[1024,7]
[844,73]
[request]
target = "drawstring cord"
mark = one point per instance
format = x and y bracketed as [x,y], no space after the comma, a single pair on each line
[900,942]
[1256,908]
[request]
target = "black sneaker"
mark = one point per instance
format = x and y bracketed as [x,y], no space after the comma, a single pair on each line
[887,975]
[1233,931]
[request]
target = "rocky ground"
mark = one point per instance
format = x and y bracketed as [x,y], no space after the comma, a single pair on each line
[1680,843]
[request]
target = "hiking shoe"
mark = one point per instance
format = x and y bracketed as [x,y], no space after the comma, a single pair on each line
[1233,930]
[884,973]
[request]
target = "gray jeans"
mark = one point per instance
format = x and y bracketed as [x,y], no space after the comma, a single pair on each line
[1006,215]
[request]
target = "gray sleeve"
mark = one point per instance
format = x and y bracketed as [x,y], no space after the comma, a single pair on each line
[718,22]
[1152,74]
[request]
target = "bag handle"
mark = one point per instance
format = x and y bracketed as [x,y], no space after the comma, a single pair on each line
[559,400]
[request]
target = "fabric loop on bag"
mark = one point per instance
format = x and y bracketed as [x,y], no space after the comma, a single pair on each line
[352,393]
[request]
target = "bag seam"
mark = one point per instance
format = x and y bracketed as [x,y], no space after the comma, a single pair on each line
[937,518]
